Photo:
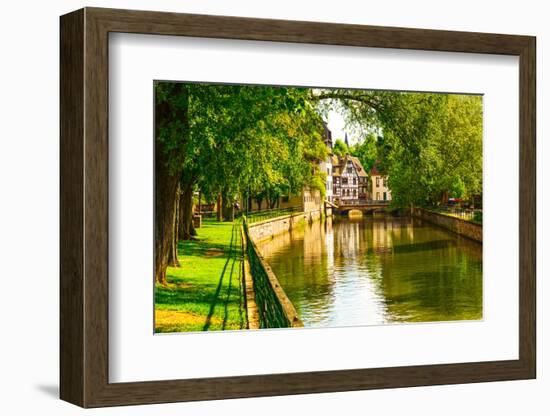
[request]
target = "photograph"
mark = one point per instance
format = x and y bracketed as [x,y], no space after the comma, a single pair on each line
[310,207]
[260,204]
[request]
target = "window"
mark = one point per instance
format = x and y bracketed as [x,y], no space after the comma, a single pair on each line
[355,181]
[354,192]
[377,181]
[328,171]
[385,182]
[344,181]
[350,169]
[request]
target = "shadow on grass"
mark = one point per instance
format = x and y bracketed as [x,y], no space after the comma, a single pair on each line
[218,289]
[205,287]
[229,288]
[200,248]
[189,295]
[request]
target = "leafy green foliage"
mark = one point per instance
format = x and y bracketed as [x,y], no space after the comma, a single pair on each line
[434,148]
[366,151]
[430,144]
[340,148]
[238,139]
[265,142]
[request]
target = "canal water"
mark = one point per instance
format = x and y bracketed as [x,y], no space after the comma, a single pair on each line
[377,270]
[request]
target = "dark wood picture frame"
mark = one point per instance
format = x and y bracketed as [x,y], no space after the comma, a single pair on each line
[84,207]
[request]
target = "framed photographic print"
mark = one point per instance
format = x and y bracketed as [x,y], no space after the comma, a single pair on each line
[255,207]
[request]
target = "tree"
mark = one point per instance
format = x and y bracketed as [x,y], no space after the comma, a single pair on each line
[227,140]
[340,148]
[263,142]
[366,151]
[429,145]
[433,147]
[171,137]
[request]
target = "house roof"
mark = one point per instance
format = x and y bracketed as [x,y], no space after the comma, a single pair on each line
[358,166]
[339,162]
[375,171]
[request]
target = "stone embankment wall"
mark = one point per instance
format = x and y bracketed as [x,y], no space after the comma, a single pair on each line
[457,225]
[267,304]
[264,230]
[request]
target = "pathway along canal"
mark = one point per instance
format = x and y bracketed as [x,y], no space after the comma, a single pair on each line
[377,270]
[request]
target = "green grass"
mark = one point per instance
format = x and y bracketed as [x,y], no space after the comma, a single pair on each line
[205,293]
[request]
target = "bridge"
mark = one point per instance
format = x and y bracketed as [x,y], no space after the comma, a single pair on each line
[364,205]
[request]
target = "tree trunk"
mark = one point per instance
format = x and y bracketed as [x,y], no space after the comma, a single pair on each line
[227,208]
[167,178]
[173,253]
[219,216]
[444,197]
[186,228]
[200,201]
[165,201]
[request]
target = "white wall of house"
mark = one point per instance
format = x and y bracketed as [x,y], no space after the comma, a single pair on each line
[350,182]
[326,166]
[380,190]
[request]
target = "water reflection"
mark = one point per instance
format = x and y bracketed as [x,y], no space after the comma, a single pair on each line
[377,270]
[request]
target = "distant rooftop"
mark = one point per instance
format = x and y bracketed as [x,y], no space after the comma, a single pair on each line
[375,171]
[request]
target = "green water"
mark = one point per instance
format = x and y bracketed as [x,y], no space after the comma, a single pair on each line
[377,270]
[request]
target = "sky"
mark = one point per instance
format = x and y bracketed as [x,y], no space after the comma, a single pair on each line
[336,125]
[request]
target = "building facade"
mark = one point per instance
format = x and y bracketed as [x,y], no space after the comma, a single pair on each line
[326,165]
[349,178]
[346,182]
[380,189]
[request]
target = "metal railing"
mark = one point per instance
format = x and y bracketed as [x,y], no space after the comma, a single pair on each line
[349,202]
[274,308]
[257,216]
[462,213]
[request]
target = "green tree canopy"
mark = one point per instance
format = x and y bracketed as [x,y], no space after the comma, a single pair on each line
[430,144]
[340,148]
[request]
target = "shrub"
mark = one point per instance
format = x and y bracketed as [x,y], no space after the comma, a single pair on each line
[478,217]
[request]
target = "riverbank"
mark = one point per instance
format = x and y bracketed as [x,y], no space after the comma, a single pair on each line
[377,270]
[205,293]
[460,226]
[265,230]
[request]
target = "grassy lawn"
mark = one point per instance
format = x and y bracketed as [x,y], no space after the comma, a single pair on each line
[204,294]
